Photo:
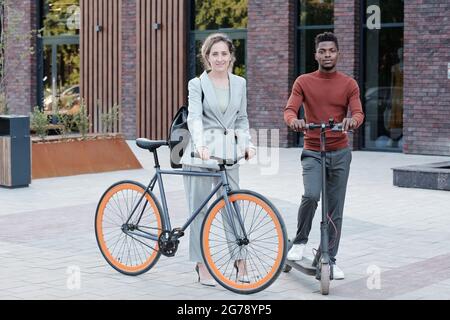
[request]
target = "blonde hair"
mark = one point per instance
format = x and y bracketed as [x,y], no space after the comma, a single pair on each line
[212,40]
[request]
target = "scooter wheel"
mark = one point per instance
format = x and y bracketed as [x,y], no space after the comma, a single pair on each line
[324,279]
[287,268]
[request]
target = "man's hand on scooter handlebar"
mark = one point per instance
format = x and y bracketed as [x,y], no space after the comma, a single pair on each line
[298,125]
[349,124]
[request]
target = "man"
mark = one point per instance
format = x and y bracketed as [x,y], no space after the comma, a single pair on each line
[325,93]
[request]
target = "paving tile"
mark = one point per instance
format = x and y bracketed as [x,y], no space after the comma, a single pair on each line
[398,230]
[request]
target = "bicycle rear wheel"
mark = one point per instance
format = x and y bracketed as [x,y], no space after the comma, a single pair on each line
[126,246]
[242,264]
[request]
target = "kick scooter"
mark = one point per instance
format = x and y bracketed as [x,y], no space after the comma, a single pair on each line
[321,266]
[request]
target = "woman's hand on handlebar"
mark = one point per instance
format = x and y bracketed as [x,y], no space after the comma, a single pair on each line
[349,124]
[298,125]
[249,153]
[203,153]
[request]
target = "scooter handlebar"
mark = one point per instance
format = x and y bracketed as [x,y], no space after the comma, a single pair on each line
[338,127]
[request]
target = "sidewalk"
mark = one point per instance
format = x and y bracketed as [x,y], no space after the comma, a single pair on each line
[395,242]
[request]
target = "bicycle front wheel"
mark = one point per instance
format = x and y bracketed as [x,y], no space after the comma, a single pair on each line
[244,262]
[129,247]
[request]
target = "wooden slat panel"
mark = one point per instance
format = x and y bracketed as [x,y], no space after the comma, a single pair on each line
[170,47]
[100,58]
[5,161]
[111,65]
[151,129]
[119,56]
[161,61]
[146,59]
[95,69]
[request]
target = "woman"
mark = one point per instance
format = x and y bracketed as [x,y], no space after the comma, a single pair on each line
[219,126]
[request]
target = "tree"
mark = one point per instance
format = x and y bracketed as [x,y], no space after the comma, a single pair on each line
[215,14]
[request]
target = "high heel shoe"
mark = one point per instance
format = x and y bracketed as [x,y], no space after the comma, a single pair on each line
[206,282]
[241,277]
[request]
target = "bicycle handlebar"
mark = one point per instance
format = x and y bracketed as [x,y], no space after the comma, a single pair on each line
[220,161]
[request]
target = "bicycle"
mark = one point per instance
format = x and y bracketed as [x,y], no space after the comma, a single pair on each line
[320,266]
[133,229]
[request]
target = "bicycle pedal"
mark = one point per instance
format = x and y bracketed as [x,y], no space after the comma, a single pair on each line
[178,232]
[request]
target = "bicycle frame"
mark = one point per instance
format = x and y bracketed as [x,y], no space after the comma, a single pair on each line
[157,179]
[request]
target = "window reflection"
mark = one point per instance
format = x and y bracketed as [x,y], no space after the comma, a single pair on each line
[239,66]
[383,67]
[315,16]
[61,56]
[229,17]
[391,11]
[220,14]
[61,17]
[316,12]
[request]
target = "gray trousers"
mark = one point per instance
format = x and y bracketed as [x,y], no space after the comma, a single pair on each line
[338,167]
[197,189]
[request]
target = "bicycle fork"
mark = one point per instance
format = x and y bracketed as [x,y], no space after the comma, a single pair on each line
[233,211]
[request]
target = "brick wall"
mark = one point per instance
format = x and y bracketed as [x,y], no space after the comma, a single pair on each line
[20,61]
[270,62]
[426,85]
[128,87]
[346,28]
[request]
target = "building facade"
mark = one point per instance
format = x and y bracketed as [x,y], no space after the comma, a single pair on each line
[139,55]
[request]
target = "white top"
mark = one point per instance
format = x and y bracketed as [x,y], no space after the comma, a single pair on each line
[223,98]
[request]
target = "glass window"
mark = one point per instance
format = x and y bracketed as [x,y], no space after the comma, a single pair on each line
[219,14]
[316,12]
[315,16]
[239,65]
[61,56]
[391,11]
[229,17]
[61,17]
[383,80]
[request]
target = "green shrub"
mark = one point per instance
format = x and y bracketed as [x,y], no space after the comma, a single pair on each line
[81,120]
[39,122]
[110,118]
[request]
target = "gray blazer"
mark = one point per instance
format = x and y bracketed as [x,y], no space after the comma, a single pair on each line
[225,134]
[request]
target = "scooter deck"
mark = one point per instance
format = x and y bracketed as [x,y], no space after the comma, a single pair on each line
[304,265]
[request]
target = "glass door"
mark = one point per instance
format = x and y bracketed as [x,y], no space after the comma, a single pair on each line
[60,55]
[207,17]
[61,74]
[383,75]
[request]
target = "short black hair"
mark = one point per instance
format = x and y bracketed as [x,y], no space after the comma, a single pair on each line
[326,36]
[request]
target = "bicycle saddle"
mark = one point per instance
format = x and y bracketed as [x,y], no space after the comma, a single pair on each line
[150,145]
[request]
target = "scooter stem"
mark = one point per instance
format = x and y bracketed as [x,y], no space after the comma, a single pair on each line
[324,223]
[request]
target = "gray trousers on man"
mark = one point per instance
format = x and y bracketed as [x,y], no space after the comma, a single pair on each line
[197,189]
[338,167]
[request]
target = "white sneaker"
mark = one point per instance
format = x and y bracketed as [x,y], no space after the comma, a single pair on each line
[296,252]
[338,274]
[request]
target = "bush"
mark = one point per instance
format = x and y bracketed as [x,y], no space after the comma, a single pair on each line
[39,122]
[81,120]
[67,122]
[110,118]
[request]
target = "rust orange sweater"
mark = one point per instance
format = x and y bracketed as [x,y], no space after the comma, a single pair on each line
[324,96]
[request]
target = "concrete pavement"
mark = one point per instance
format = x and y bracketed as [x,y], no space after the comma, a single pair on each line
[395,242]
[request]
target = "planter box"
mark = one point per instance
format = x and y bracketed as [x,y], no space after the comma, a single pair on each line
[57,157]
[435,176]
